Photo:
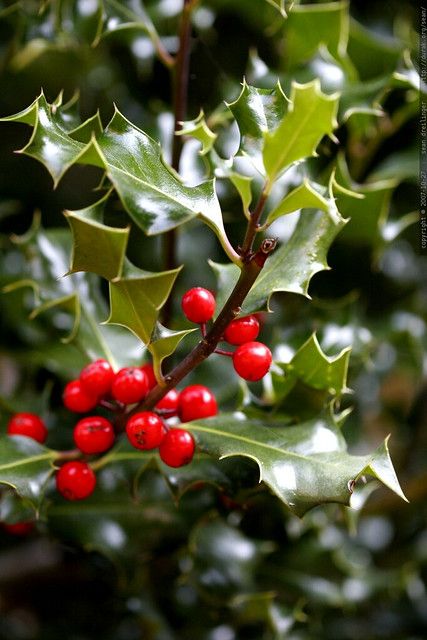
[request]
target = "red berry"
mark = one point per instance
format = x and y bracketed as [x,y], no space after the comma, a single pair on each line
[177,448]
[19,528]
[169,403]
[27,424]
[242,330]
[77,399]
[196,402]
[75,480]
[145,430]
[96,378]
[94,434]
[149,372]
[252,360]
[130,385]
[198,305]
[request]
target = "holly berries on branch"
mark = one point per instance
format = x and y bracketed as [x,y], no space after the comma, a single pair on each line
[122,394]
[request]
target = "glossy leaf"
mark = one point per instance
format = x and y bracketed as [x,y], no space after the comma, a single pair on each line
[303,197]
[26,466]
[97,248]
[292,265]
[163,343]
[304,466]
[199,130]
[310,116]
[137,297]
[313,368]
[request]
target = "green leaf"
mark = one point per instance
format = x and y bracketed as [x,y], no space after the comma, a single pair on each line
[198,129]
[367,216]
[290,267]
[310,116]
[26,466]
[303,197]
[46,254]
[280,5]
[257,111]
[163,343]
[97,248]
[312,26]
[304,466]
[137,297]
[315,369]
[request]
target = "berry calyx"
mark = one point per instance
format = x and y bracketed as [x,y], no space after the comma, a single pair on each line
[94,434]
[198,305]
[145,430]
[96,378]
[130,385]
[242,330]
[27,424]
[149,372]
[169,403]
[196,401]
[75,480]
[252,360]
[177,448]
[77,399]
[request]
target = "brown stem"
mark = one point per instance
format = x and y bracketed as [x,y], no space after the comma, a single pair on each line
[252,227]
[180,94]
[65,456]
[208,344]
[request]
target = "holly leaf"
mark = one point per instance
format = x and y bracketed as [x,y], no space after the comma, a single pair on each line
[304,465]
[136,298]
[310,116]
[163,343]
[97,248]
[291,267]
[305,196]
[199,130]
[314,368]
[44,255]
[26,466]
[257,111]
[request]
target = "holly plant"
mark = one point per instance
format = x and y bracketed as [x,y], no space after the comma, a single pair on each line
[178,383]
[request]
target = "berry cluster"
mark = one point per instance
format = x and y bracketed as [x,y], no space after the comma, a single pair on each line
[251,360]
[146,430]
[119,392]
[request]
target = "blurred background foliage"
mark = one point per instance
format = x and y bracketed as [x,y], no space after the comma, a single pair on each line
[230,563]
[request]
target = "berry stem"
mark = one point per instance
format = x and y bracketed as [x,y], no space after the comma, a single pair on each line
[223,352]
[66,456]
[249,273]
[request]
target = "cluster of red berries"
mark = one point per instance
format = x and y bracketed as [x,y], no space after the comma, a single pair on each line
[251,360]
[98,384]
[146,430]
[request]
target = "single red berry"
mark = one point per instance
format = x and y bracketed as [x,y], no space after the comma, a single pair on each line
[242,330]
[252,360]
[145,430]
[94,434]
[198,305]
[177,448]
[19,528]
[196,401]
[97,377]
[149,372]
[77,399]
[130,385]
[27,424]
[75,480]
[169,403]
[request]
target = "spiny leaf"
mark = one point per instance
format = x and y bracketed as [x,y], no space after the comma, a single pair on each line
[291,267]
[304,466]
[257,111]
[310,116]
[97,248]
[137,297]
[26,466]
[314,368]
[306,196]
[198,129]
[163,343]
